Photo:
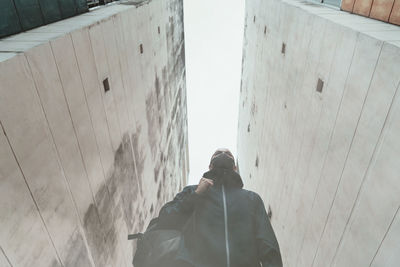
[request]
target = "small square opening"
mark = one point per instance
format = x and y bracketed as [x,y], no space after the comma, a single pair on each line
[283,50]
[320,85]
[106,85]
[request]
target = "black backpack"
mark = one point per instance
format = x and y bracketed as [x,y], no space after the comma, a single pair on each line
[155,247]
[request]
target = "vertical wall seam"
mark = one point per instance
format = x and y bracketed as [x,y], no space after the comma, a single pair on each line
[290,136]
[87,106]
[54,146]
[334,125]
[127,111]
[302,129]
[112,83]
[319,121]
[80,153]
[108,126]
[347,156]
[1,248]
[33,198]
[94,132]
[87,103]
[117,113]
[313,144]
[105,113]
[373,159]
[384,236]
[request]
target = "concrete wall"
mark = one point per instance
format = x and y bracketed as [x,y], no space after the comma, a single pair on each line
[326,163]
[81,168]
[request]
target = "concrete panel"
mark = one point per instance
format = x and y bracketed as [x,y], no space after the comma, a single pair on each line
[70,77]
[386,255]
[4,262]
[380,95]
[310,117]
[380,190]
[108,160]
[52,98]
[19,217]
[93,93]
[342,138]
[100,56]
[30,138]
[313,148]
[108,196]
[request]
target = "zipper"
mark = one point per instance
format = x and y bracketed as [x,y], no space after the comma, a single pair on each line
[226,227]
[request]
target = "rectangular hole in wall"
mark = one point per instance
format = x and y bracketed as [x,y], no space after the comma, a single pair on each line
[159,30]
[283,51]
[320,85]
[254,19]
[141,48]
[265,29]
[106,85]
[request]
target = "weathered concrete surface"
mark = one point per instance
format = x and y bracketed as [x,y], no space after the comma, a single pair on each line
[80,167]
[326,163]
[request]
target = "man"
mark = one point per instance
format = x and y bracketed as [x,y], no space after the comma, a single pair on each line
[223,225]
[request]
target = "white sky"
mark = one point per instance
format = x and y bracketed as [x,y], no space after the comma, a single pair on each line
[213,42]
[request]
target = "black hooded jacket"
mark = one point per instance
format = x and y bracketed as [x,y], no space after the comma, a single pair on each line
[225,226]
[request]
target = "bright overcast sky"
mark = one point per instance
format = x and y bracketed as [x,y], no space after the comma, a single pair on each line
[213,41]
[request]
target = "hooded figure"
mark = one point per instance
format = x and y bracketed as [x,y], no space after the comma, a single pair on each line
[223,226]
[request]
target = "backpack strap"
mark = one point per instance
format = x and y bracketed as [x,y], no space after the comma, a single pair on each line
[135,236]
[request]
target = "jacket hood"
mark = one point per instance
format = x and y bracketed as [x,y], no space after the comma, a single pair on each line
[224,176]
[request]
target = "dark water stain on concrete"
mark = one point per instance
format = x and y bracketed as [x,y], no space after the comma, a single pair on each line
[152,122]
[151,208]
[159,191]
[115,201]
[156,171]
[95,235]
[157,86]
[253,107]
[139,155]
[76,251]
[168,129]
[165,87]
[123,183]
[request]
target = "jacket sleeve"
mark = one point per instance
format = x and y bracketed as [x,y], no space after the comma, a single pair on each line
[176,212]
[267,244]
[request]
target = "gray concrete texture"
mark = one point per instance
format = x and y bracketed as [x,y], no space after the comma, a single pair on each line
[326,163]
[81,167]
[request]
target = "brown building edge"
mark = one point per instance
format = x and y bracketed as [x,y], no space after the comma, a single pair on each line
[384,10]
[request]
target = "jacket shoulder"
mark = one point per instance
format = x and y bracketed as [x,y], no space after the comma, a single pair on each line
[253,196]
[189,188]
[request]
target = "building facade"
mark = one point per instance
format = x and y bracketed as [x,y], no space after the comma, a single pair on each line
[318,131]
[93,133]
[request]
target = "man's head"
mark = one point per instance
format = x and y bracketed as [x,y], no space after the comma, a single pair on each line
[225,151]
